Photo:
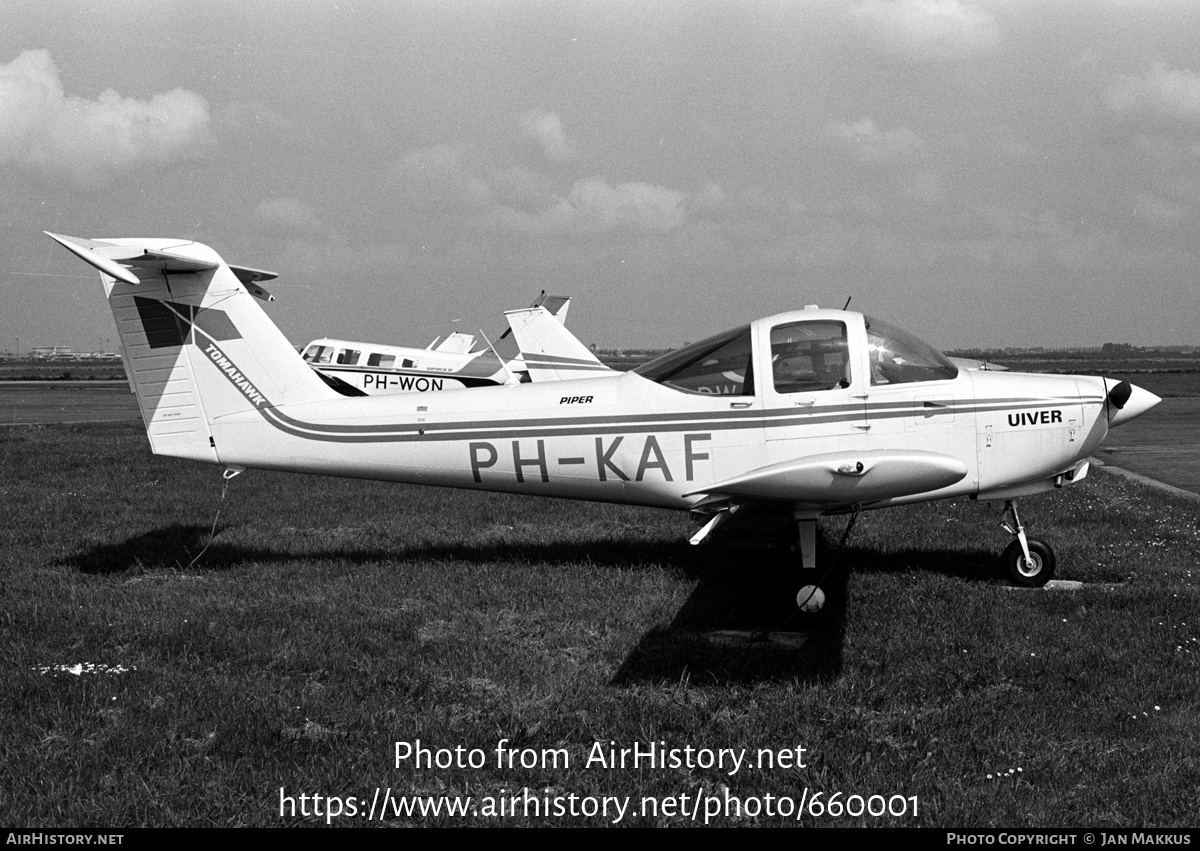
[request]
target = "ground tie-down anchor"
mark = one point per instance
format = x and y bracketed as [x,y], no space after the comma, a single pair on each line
[226,474]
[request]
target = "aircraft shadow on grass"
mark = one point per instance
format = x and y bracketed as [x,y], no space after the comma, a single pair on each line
[740,623]
[176,546]
[169,547]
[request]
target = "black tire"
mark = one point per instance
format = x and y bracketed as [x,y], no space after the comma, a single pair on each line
[1034,574]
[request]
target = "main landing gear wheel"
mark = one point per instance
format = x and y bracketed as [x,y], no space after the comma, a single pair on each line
[1033,572]
[810,599]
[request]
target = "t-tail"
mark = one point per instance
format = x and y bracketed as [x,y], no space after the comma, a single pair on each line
[195,344]
[551,352]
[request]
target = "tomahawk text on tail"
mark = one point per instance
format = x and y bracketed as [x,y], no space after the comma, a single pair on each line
[801,414]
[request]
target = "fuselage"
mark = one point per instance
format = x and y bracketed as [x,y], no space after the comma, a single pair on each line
[818,387]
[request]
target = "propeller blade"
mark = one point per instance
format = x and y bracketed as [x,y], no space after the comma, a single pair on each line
[1119,395]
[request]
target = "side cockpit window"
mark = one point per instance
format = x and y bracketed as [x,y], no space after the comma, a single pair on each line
[716,366]
[809,356]
[318,354]
[898,357]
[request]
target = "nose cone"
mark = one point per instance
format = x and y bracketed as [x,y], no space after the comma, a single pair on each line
[1136,402]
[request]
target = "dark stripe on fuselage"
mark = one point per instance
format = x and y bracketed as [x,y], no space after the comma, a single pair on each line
[502,429]
[562,362]
[776,418]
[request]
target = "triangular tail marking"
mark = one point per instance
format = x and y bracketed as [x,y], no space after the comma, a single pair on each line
[168,323]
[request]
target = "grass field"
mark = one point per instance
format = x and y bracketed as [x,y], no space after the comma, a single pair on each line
[150,681]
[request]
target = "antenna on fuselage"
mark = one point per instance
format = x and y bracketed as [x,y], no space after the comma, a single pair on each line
[847,304]
[503,365]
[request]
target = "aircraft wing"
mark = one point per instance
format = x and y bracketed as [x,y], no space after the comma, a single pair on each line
[122,260]
[550,351]
[973,365]
[844,478]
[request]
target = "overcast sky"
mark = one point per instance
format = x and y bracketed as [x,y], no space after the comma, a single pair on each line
[982,173]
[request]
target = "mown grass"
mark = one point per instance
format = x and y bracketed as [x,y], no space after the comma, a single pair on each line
[330,619]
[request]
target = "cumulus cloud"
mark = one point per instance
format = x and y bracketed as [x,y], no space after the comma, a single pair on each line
[288,216]
[876,146]
[521,188]
[44,127]
[926,30]
[924,186]
[1158,92]
[442,177]
[546,129]
[594,206]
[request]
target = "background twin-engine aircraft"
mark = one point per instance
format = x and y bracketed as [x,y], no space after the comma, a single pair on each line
[535,347]
[810,412]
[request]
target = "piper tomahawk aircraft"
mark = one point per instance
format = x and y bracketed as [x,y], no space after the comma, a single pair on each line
[811,412]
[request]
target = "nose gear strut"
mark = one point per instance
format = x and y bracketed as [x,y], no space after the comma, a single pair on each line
[1028,562]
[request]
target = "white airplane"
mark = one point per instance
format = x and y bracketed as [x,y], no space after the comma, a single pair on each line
[450,363]
[812,412]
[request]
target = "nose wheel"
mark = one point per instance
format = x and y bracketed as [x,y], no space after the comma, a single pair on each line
[1027,562]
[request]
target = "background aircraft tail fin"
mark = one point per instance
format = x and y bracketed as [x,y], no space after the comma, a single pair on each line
[196,345]
[550,351]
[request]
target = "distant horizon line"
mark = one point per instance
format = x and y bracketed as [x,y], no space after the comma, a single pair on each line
[53,351]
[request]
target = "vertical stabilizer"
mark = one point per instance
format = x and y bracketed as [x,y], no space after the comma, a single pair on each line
[550,351]
[190,329]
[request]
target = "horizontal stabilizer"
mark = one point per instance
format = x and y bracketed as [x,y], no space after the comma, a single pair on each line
[122,259]
[845,478]
[558,305]
[165,261]
[252,276]
[550,351]
[98,254]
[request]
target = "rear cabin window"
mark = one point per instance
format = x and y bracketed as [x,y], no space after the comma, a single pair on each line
[716,366]
[376,359]
[808,356]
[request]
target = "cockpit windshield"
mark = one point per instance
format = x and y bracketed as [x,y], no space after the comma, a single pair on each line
[716,366]
[898,357]
[806,356]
